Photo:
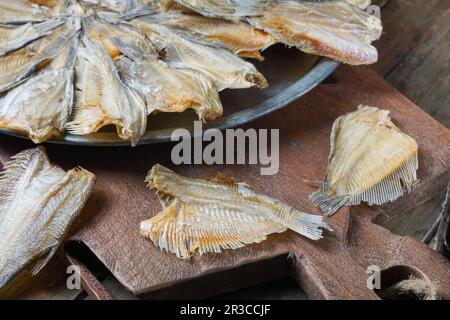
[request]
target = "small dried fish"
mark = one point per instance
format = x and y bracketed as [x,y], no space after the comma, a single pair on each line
[225,68]
[370,160]
[15,37]
[22,11]
[333,28]
[41,106]
[120,38]
[201,216]
[236,36]
[38,203]
[103,99]
[170,90]
[19,65]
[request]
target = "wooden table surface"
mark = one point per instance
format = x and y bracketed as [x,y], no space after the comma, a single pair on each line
[414,58]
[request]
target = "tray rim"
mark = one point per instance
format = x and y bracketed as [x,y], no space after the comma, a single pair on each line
[318,73]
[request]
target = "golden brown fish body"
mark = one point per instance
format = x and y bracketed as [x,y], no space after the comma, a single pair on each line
[334,29]
[41,106]
[370,161]
[39,201]
[201,216]
[171,90]
[119,38]
[103,99]
[236,36]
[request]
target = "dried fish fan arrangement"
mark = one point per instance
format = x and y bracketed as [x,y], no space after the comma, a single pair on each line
[370,161]
[38,203]
[201,216]
[79,65]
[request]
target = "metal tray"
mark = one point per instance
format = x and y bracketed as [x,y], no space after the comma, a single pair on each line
[290,74]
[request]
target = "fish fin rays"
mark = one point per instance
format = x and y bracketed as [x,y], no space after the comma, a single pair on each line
[389,189]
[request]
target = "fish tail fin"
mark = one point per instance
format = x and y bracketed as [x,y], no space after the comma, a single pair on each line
[307,225]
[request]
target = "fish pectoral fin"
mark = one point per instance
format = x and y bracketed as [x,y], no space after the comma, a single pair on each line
[38,265]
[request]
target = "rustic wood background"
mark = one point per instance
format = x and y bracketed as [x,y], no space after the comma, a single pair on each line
[414,58]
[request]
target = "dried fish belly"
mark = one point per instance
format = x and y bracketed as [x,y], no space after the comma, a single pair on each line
[370,161]
[201,216]
[334,29]
[22,11]
[15,37]
[39,201]
[103,99]
[19,65]
[42,105]
[170,90]
[236,36]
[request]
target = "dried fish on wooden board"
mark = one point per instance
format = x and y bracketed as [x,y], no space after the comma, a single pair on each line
[38,203]
[370,161]
[171,90]
[201,216]
[333,29]
[103,98]
[236,36]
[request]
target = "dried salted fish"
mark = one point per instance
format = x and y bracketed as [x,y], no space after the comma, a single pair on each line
[42,105]
[39,202]
[22,11]
[120,38]
[17,66]
[362,4]
[334,29]
[15,37]
[236,36]
[170,90]
[225,68]
[370,161]
[201,216]
[103,99]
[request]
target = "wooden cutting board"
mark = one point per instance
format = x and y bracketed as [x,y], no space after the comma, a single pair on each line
[333,268]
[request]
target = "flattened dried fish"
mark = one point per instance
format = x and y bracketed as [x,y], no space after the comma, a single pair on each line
[19,65]
[225,68]
[236,36]
[120,38]
[22,11]
[170,90]
[369,162]
[333,29]
[39,201]
[41,106]
[104,99]
[201,216]
[15,37]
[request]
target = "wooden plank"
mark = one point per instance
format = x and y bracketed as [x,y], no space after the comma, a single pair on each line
[414,53]
[305,126]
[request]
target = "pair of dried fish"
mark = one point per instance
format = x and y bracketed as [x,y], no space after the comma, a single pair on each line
[370,161]
[38,203]
[80,65]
